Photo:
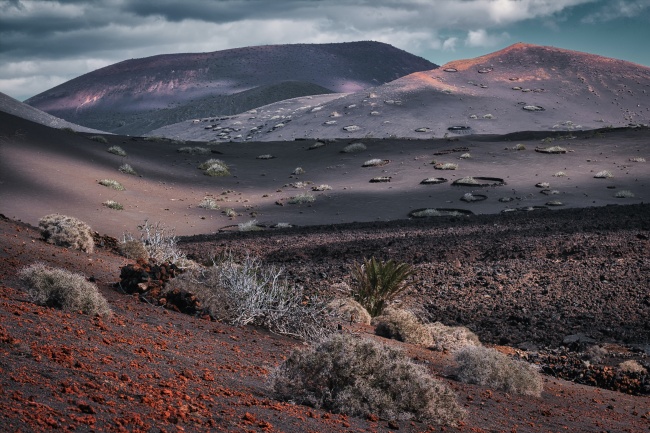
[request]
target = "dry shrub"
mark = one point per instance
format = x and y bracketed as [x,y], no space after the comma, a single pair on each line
[360,377]
[631,366]
[58,288]
[402,325]
[160,242]
[66,231]
[349,310]
[488,367]
[133,249]
[451,338]
[247,292]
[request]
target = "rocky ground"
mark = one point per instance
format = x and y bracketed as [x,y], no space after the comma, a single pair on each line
[546,286]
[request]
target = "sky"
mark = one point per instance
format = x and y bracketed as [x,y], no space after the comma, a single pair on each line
[44,43]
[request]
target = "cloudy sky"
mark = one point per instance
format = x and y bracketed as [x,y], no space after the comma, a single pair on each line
[44,43]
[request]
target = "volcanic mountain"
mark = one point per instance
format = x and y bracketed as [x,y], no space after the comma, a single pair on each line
[138,95]
[522,87]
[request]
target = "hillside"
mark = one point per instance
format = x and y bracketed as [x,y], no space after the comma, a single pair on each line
[13,106]
[520,88]
[134,96]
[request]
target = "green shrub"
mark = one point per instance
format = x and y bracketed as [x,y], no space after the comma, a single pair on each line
[402,325]
[247,292]
[99,139]
[127,169]
[451,338]
[361,377]
[379,283]
[488,367]
[111,183]
[116,150]
[348,309]
[58,288]
[67,232]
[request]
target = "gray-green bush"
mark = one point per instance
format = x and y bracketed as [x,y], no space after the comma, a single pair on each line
[488,367]
[360,377]
[402,325]
[59,288]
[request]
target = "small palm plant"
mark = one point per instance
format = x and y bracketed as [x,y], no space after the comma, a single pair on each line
[379,282]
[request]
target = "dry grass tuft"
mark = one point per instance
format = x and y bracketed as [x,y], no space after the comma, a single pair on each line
[127,169]
[67,232]
[451,338]
[624,194]
[98,139]
[348,309]
[59,288]
[112,204]
[445,166]
[632,366]
[133,249]
[116,150]
[361,377]
[249,226]
[637,159]
[298,170]
[354,147]
[488,367]
[323,187]
[302,199]
[402,325]
[209,203]
[194,150]
[111,183]
[605,174]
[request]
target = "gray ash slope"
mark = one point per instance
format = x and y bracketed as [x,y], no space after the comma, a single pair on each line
[138,95]
[520,88]
[19,109]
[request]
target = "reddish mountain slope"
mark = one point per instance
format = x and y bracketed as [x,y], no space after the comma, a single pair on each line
[493,94]
[117,98]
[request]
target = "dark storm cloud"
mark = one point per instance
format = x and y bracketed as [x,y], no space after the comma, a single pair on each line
[42,41]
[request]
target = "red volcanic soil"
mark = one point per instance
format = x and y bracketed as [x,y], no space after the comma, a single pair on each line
[138,95]
[146,368]
[488,94]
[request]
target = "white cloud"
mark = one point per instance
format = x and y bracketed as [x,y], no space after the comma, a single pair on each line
[481,38]
[615,9]
[450,44]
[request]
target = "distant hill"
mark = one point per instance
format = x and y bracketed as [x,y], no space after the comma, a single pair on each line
[138,95]
[19,109]
[520,88]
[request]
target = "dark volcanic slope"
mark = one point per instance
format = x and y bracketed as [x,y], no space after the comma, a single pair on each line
[114,97]
[493,94]
[13,106]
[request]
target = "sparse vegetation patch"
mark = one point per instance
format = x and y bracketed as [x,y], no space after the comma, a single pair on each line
[445,166]
[433,180]
[552,150]
[323,187]
[349,310]
[194,150]
[209,203]
[451,338]
[624,193]
[402,325]
[376,162]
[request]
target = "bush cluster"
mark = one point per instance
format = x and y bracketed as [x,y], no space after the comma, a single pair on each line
[402,325]
[360,377]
